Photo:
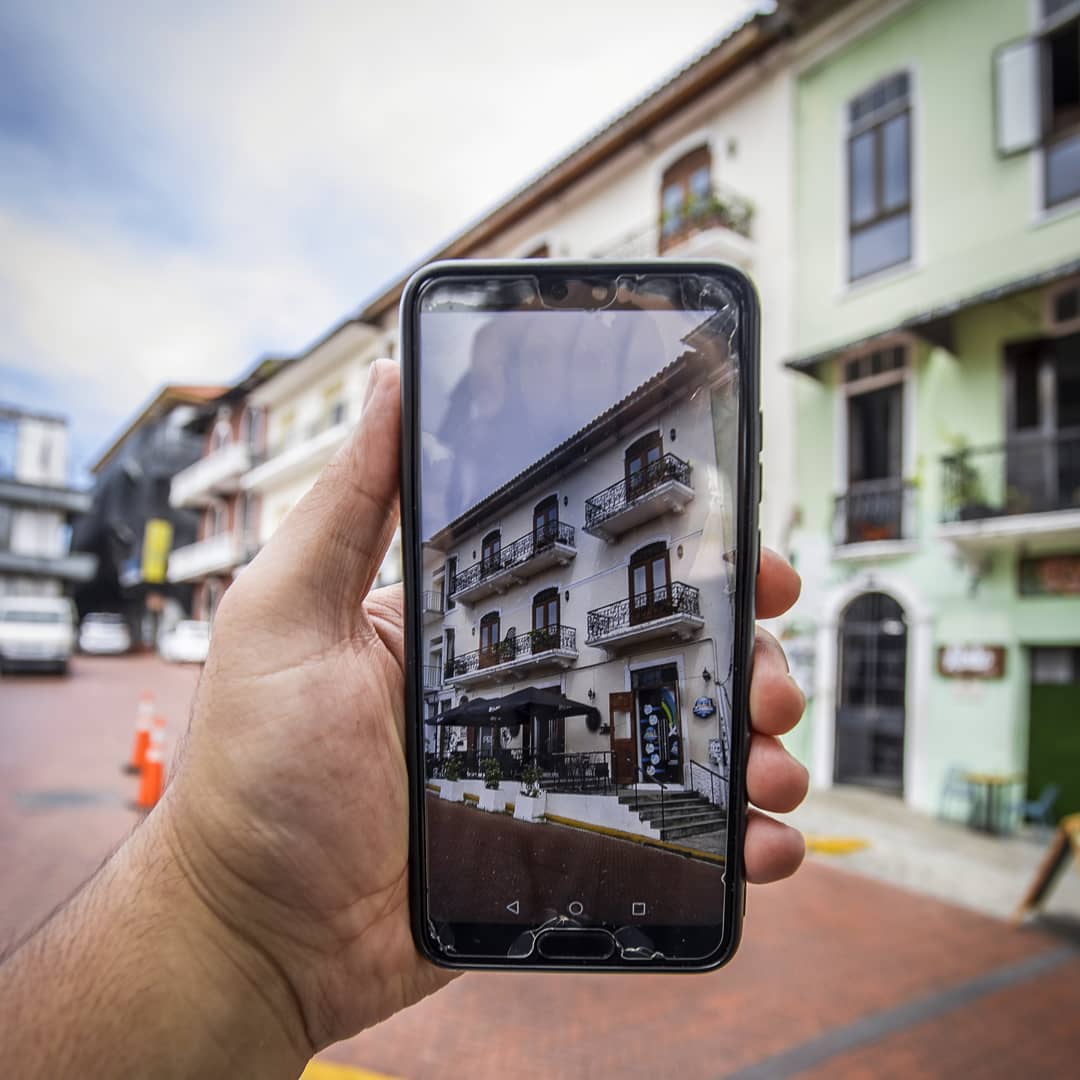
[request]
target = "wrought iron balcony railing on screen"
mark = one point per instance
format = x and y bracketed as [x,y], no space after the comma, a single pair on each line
[660,603]
[872,510]
[514,554]
[609,502]
[510,649]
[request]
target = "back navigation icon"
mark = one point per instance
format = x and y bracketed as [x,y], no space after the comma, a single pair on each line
[514,908]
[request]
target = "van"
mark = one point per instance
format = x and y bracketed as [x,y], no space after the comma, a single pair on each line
[36,633]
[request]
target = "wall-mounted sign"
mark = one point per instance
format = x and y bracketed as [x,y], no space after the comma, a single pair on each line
[704,706]
[971,661]
[1050,575]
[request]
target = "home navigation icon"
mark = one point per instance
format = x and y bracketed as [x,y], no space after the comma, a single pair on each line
[514,908]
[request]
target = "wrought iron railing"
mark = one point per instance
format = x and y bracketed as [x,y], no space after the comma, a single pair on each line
[612,500]
[433,601]
[709,784]
[659,603]
[510,649]
[514,554]
[585,772]
[432,676]
[1026,475]
[872,510]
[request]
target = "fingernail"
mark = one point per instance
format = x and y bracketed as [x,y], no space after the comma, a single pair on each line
[369,390]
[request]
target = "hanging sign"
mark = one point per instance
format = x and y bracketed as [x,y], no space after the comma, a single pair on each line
[704,706]
[971,661]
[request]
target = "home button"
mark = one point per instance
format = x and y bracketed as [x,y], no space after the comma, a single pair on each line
[576,944]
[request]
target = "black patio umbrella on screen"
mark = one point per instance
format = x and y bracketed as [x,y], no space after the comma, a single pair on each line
[519,707]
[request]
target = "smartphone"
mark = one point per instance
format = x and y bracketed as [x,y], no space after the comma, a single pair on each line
[580,485]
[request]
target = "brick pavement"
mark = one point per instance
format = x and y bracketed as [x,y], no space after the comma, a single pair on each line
[822,954]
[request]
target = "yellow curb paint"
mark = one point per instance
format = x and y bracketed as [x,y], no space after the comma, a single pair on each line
[835,845]
[327,1070]
[645,841]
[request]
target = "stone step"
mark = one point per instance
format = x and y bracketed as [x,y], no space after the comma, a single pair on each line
[683,817]
[681,832]
[647,799]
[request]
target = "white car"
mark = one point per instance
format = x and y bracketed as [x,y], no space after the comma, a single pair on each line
[187,643]
[104,634]
[36,633]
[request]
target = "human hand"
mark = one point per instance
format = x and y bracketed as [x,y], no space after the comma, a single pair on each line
[289,809]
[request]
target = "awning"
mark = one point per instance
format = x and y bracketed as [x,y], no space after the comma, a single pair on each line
[935,324]
[519,707]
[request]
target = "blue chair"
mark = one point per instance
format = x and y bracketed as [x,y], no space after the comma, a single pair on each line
[955,787]
[1040,810]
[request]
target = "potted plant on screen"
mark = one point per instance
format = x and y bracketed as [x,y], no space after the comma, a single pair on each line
[450,788]
[531,804]
[491,798]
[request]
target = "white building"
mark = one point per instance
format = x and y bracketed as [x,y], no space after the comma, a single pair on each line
[36,507]
[599,572]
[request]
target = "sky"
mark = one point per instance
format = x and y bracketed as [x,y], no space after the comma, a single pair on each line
[185,187]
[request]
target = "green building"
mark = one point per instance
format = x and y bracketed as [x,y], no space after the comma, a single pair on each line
[937,525]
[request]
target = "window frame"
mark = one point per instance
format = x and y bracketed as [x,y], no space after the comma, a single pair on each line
[1051,136]
[679,174]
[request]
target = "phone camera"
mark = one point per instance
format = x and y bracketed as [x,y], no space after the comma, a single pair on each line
[559,291]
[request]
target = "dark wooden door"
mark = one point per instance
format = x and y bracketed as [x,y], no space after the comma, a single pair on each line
[642,459]
[489,641]
[546,522]
[650,592]
[621,721]
[545,621]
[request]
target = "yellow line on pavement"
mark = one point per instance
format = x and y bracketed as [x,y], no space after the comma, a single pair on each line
[835,845]
[636,838]
[327,1070]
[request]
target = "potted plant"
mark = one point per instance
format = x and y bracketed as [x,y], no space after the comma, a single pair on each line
[964,493]
[531,803]
[491,797]
[450,788]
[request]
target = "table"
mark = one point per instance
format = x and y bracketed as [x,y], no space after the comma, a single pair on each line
[988,799]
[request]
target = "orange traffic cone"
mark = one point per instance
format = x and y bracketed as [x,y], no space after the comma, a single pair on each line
[152,780]
[143,720]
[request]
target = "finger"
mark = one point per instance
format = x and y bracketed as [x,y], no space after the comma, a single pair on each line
[335,537]
[776,701]
[773,850]
[774,779]
[778,585]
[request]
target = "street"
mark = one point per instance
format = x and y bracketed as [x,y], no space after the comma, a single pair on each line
[839,975]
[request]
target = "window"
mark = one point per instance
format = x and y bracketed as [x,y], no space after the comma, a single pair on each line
[221,436]
[216,518]
[1061,102]
[649,577]
[489,553]
[251,428]
[642,464]
[546,521]
[879,177]
[545,626]
[489,639]
[684,193]
[451,584]
[872,505]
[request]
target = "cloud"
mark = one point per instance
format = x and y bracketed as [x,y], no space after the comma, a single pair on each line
[185,186]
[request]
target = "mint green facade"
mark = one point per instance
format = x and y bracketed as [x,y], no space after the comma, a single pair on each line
[977,225]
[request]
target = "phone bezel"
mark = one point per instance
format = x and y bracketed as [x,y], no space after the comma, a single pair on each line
[747,562]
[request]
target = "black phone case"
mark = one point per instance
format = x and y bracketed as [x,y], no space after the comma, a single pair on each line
[748,560]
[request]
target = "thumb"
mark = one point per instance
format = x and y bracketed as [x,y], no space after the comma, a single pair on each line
[319,564]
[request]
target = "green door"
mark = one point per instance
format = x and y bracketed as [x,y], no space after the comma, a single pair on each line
[1054,729]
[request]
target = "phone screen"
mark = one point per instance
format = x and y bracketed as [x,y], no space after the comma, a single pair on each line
[578,449]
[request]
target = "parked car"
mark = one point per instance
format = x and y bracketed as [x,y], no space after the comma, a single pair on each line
[104,634]
[36,633]
[187,643]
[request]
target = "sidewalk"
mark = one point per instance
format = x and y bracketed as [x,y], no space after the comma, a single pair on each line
[943,859]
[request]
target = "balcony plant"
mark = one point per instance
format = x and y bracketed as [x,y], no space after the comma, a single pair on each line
[451,786]
[965,496]
[491,798]
[531,803]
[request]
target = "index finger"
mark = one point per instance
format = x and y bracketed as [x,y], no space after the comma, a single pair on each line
[778,585]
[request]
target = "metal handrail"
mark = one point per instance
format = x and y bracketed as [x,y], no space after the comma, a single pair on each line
[678,598]
[433,600]
[432,675]
[514,554]
[872,510]
[616,497]
[716,782]
[531,643]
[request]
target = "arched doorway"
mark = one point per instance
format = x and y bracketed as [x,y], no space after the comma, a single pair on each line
[870,704]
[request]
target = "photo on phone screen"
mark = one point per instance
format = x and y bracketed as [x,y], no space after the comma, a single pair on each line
[577,463]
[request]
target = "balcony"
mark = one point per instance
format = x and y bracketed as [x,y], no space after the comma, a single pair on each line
[873,517]
[214,555]
[432,606]
[712,226]
[551,544]
[432,677]
[551,647]
[216,474]
[1024,491]
[669,611]
[76,566]
[291,460]
[662,486]
[65,500]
